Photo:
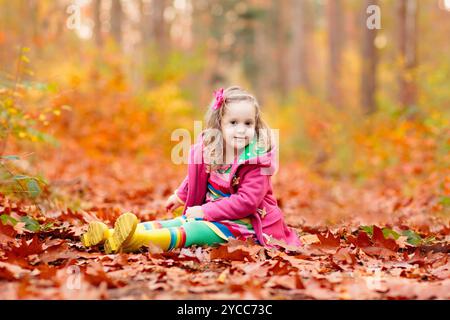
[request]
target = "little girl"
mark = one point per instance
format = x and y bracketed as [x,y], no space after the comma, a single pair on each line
[226,193]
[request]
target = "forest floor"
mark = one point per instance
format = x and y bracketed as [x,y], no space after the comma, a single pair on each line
[361,241]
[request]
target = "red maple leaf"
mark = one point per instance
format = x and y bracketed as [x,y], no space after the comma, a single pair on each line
[361,241]
[329,240]
[26,248]
[380,241]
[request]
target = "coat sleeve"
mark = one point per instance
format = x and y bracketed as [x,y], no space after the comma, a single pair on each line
[182,191]
[244,202]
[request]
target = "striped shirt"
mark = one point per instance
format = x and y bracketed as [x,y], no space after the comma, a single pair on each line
[217,189]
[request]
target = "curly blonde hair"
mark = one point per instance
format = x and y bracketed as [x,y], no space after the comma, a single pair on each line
[213,151]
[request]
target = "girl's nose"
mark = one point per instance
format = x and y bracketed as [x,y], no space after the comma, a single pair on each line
[241,129]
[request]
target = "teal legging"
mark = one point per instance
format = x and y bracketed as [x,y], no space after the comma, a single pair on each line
[196,231]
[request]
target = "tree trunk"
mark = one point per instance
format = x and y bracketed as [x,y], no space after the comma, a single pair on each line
[116,20]
[145,23]
[281,56]
[302,28]
[369,60]
[159,26]
[97,23]
[407,40]
[335,38]
[261,52]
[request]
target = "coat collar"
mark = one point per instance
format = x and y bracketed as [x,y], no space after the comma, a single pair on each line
[252,153]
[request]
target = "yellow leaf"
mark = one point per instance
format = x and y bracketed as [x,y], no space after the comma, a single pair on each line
[25,59]
[223,276]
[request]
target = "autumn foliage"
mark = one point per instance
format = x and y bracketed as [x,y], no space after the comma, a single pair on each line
[85,134]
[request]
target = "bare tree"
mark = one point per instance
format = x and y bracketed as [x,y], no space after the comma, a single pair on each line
[97,22]
[160,29]
[145,22]
[302,28]
[116,20]
[335,39]
[407,41]
[281,9]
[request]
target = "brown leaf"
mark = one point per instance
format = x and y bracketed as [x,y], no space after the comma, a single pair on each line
[282,282]
[47,272]
[26,248]
[95,274]
[361,241]
[379,251]
[223,252]
[298,282]
[6,274]
[60,251]
[329,240]
[280,268]
[438,247]
[13,270]
[344,256]
[7,233]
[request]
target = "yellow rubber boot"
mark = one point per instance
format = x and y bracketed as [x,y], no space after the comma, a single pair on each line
[124,229]
[143,237]
[97,233]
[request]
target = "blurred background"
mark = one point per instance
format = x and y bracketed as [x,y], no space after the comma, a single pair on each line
[109,80]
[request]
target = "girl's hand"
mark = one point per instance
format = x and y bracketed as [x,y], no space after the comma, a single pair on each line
[194,212]
[172,203]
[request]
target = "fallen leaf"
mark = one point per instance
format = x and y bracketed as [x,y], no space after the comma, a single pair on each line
[329,240]
[223,252]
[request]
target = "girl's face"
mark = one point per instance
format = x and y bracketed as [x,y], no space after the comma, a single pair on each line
[238,124]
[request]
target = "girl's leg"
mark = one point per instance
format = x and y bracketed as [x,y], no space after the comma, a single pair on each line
[199,233]
[98,232]
[158,224]
[190,233]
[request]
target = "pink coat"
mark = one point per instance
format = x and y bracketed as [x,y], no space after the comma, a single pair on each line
[251,190]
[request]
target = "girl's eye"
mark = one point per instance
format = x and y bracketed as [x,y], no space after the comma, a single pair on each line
[233,122]
[248,123]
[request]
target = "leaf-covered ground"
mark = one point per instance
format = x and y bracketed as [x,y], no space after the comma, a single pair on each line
[366,241]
